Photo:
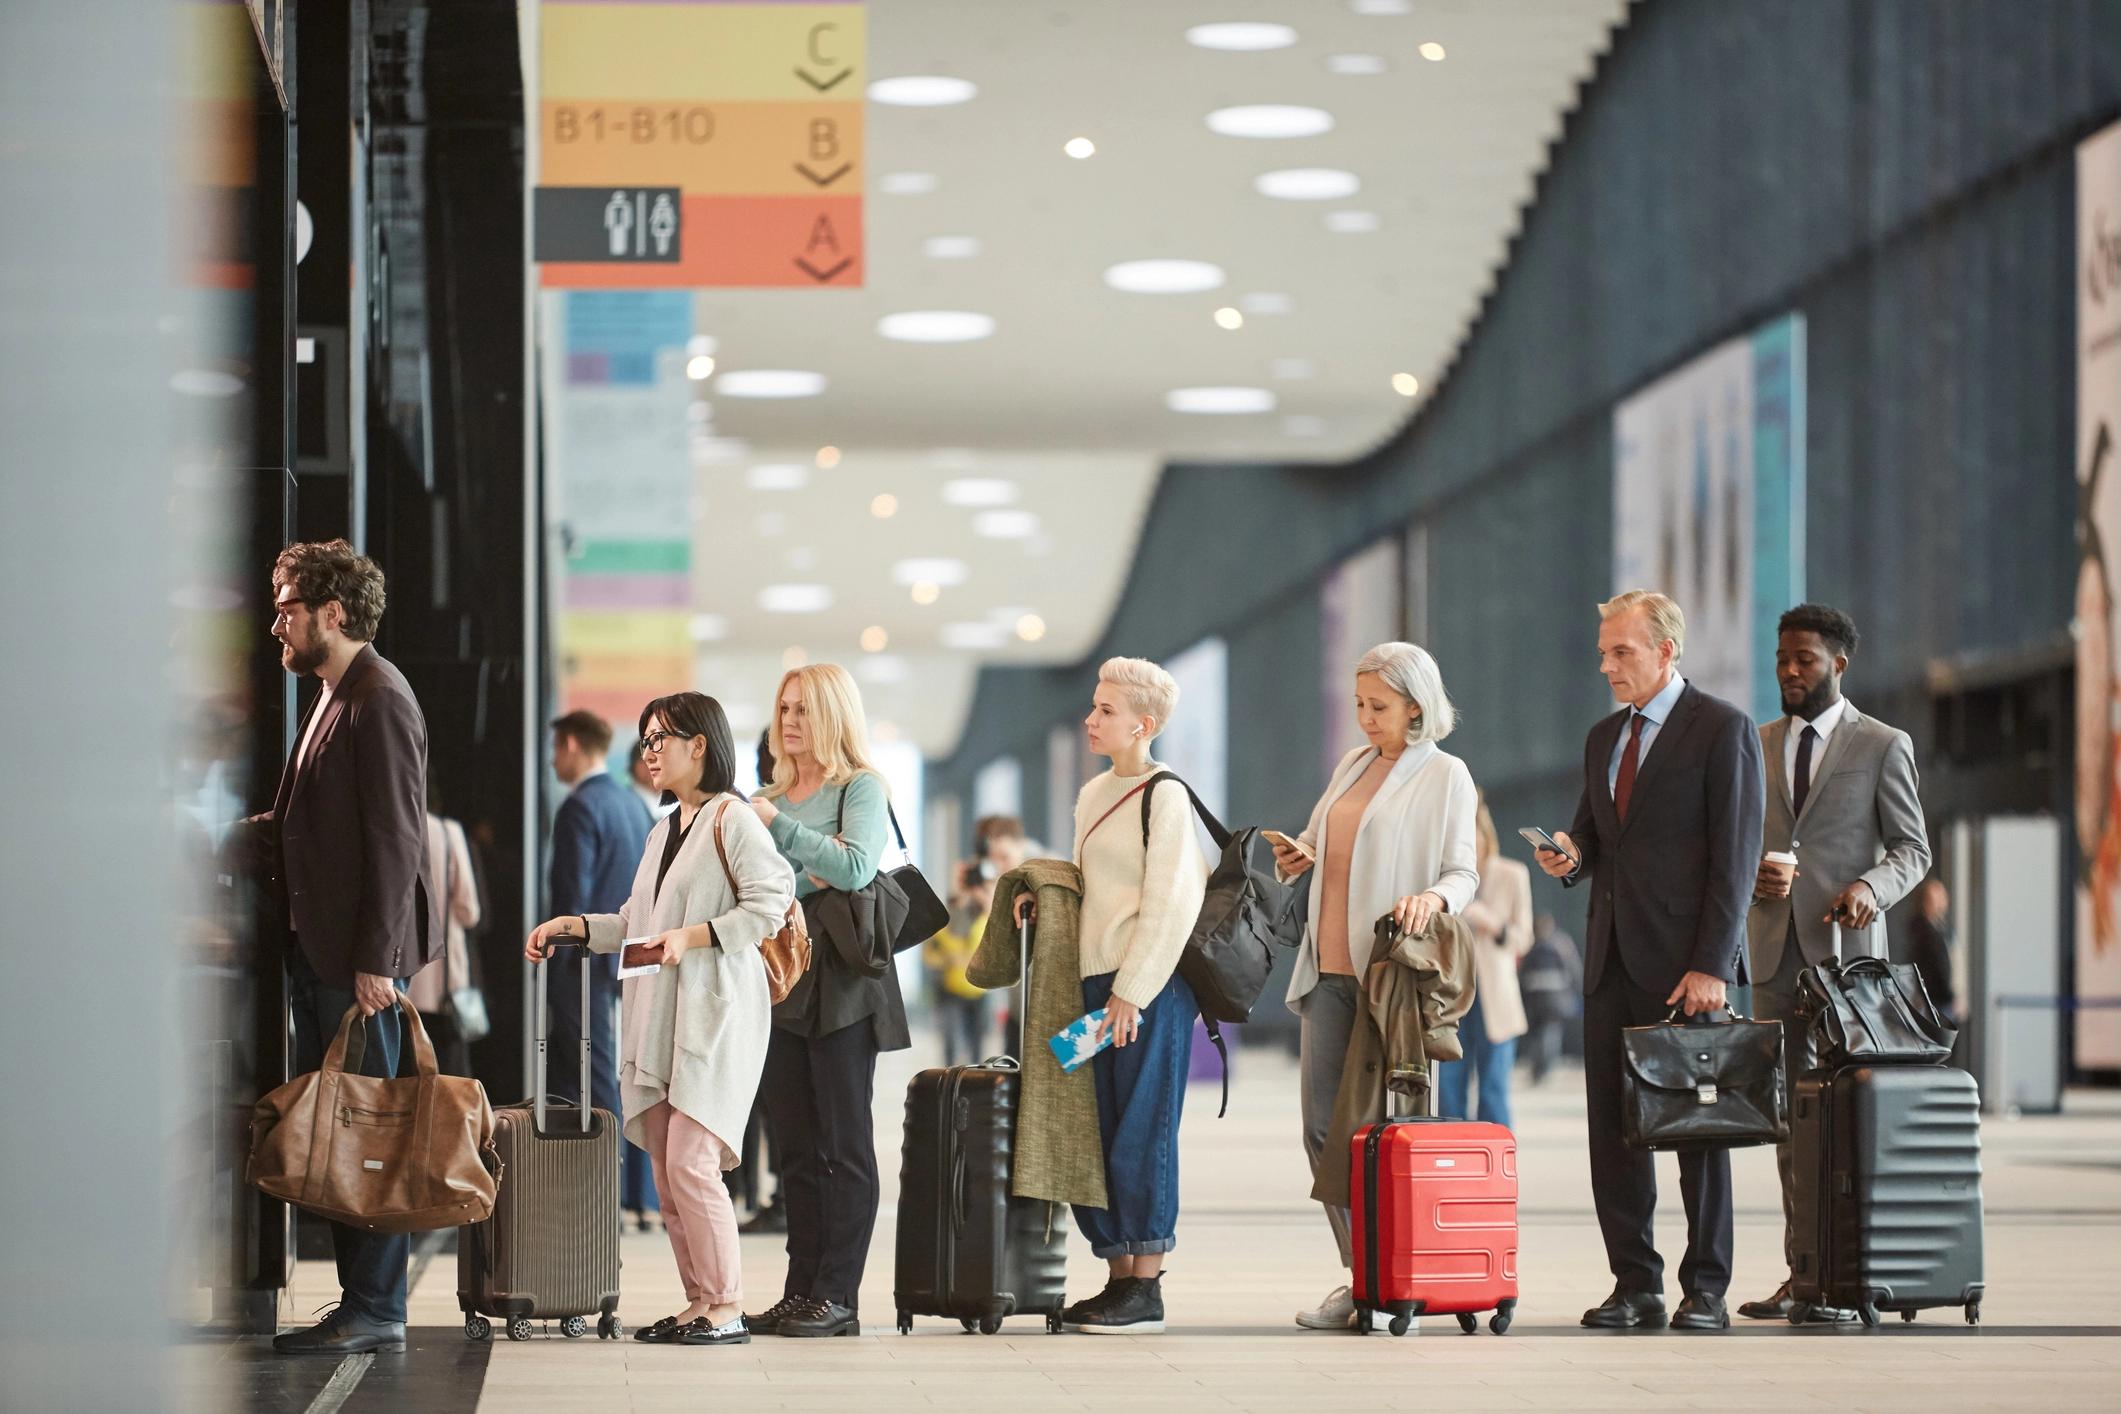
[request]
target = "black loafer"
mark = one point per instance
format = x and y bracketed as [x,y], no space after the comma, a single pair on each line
[661,1333]
[1627,1310]
[701,1331]
[344,1333]
[768,1321]
[1700,1312]
[821,1318]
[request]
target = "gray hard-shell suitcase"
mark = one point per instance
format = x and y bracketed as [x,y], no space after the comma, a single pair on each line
[966,1246]
[1888,1201]
[551,1247]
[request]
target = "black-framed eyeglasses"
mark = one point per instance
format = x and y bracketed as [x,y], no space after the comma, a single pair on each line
[653,743]
[281,609]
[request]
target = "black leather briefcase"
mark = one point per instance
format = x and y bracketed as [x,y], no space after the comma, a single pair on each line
[1702,1084]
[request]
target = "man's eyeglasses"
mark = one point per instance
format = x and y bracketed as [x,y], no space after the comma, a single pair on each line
[283,611]
[653,743]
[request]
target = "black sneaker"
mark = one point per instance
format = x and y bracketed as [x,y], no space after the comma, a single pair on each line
[768,1321]
[1073,1316]
[1136,1308]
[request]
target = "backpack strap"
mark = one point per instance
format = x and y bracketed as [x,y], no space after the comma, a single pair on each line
[1216,831]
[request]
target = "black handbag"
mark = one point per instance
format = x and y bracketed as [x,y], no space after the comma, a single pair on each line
[1703,1084]
[926,915]
[1871,1012]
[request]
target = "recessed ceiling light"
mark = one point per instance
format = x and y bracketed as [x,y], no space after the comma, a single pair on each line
[950,247]
[933,570]
[1031,628]
[1290,369]
[1240,36]
[1270,120]
[925,593]
[883,505]
[972,636]
[874,639]
[1164,277]
[770,524]
[793,657]
[1307,184]
[1219,400]
[699,367]
[1303,425]
[1079,148]
[923,91]
[770,383]
[795,598]
[1355,65]
[906,183]
[778,476]
[979,491]
[1433,52]
[884,668]
[1381,7]
[707,628]
[1351,223]
[1229,318]
[935,326]
[1005,525]
[1266,303]
[1405,384]
[827,458]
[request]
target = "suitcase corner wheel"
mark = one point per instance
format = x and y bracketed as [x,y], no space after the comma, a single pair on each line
[477,1328]
[1054,1324]
[608,1326]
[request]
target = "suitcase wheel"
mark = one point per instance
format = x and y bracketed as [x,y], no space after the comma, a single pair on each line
[905,1323]
[1800,1312]
[1467,1322]
[968,1323]
[1973,1313]
[1500,1321]
[990,1325]
[1868,1314]
[575,1327]
[608,1326]
[1053,1323]
[477,1328]
[1908,1317]
[519,1328]
[1400,1324]
[1365,1321]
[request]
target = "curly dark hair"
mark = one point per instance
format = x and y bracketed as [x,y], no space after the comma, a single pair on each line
[1836,629]
[327,570]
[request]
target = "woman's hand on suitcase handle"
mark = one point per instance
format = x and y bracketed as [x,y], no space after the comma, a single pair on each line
[1026,909]
[536,946]
[1123,1019]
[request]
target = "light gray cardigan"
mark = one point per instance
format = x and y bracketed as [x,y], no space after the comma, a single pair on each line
[696,1034]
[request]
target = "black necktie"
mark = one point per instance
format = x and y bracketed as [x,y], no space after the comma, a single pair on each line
[1804,766]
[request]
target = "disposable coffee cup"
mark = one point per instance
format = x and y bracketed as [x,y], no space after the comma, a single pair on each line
[1782,857]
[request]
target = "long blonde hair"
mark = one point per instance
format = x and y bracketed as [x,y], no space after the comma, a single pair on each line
[839,730]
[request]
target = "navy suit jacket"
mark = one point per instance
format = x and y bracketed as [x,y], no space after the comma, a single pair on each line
[1670,889]
[597,842]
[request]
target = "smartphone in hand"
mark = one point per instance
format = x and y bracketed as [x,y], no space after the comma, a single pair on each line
[1540,839]
[1277,837]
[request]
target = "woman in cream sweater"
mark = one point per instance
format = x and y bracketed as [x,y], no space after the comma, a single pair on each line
[1500,916]
[1392,834]
[1140,899]
[692,1037]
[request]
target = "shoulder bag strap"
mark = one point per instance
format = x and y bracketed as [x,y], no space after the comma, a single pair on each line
[1109,813]
[1216,831]
[721,850]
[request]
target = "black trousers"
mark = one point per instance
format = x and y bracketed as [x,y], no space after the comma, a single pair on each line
[1624,1179]
[818,1091]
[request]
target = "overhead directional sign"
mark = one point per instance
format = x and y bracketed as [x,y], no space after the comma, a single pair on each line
[751,113]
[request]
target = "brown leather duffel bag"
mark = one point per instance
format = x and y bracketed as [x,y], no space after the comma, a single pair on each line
[402,1155]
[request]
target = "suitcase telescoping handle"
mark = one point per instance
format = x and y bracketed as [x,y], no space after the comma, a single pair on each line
[544,1029]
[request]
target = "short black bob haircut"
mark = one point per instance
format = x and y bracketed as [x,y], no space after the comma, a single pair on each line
[1836,629]
[691,714]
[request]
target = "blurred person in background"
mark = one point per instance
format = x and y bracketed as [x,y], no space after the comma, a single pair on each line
[1394,833]
[962,1009]
[748,1180]
[637,773]
[1550,979]
[438,987]
[827,808]
[1500,916]
[1929,946]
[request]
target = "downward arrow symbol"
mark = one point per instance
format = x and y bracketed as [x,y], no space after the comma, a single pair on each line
[821,276]
[822,86]
[804,168]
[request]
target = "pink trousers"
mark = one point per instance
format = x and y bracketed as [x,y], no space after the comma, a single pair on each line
[697,1213]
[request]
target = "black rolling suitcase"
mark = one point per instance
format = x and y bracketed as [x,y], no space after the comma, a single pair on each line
[966,1246]
[1888,1201]
[551,1248]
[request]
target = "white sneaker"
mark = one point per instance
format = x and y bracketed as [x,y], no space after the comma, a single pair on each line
[1335,1313]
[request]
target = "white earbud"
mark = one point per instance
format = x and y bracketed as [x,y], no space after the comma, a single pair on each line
[1137,731]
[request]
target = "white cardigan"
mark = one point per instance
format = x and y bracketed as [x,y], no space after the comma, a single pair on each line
[1501,918]
[1416,836]
[696,1034]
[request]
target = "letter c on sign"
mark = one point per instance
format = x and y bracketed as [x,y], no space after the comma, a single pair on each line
[817,46]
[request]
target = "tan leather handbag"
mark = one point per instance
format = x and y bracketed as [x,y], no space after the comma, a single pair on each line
[403,1155]
[787,953]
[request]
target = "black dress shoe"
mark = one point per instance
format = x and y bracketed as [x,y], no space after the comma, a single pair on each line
[1701,1312]
[1775,1308]
[821,1318]
[773,1218]
[701,1331]
[1627,1310]
[344,1333]
[768,1321]
[661,1333]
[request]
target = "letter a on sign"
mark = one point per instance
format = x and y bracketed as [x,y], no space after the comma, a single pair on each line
[822,235]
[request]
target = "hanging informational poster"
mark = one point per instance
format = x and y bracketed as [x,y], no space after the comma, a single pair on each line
[1358,608]
[1708,504]
[2098,472]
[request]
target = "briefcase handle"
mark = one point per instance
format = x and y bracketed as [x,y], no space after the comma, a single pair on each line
[1731,1013]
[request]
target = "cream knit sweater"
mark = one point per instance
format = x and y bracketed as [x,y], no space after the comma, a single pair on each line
[1138,904]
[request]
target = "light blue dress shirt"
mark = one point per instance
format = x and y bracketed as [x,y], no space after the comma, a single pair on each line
[1654,714]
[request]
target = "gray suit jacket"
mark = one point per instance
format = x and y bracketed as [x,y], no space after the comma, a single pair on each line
[1862,820]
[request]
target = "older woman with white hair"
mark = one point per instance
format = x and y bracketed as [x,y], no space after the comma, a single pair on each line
[1394,833]
[1142,889]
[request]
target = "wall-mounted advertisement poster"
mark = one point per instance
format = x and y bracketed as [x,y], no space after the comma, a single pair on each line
[1708,504]
[2098,472]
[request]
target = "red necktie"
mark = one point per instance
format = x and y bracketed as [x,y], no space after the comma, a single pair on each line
[1624,784]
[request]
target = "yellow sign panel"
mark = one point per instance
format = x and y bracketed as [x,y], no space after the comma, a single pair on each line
[723,52]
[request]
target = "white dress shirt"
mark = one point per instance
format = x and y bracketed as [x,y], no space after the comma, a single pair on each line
[1653,714]
[1823,726]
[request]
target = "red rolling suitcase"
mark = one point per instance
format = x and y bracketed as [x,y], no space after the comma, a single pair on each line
[1434,1208]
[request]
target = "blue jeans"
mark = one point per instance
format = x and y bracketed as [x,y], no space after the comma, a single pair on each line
[1141,1093]
[371,1264]
[1487,1064]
